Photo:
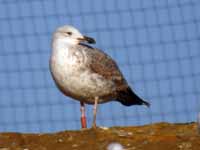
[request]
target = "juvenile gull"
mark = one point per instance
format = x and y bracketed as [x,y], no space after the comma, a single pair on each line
[87,74]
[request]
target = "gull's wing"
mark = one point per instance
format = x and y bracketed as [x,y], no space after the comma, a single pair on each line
[105,66]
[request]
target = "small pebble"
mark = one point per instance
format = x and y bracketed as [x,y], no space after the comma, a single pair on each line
[115,146]
[124,133]
[185,145]
[74,145]
[60,140]
[130,133]
[104,128]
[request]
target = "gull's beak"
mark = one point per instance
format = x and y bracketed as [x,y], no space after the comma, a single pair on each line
[87,39]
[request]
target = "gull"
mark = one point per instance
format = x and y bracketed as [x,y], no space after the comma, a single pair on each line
[87,74]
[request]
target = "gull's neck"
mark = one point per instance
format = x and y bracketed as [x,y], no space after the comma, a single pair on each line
[62,47]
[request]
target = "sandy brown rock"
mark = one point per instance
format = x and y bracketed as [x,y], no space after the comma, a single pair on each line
[152,137]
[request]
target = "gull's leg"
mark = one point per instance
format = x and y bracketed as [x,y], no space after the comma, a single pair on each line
[95,112]
[83,116]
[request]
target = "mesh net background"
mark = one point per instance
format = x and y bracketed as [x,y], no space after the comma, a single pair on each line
[156,44]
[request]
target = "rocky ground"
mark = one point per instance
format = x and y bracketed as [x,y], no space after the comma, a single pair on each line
[160,136]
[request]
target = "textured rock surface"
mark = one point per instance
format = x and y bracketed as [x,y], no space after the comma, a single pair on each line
[150,137]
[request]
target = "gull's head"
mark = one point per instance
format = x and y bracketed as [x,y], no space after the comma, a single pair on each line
[71,35]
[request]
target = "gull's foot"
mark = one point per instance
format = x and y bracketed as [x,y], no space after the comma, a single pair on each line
[85,129]
[94,126]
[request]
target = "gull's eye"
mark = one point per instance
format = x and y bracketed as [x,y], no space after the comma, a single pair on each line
[69,33]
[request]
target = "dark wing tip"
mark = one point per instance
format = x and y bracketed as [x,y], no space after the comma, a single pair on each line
[146,103]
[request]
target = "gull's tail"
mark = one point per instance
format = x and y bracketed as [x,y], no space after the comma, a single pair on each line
[128,97]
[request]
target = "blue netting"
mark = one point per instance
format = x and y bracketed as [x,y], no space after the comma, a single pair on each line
[155,42]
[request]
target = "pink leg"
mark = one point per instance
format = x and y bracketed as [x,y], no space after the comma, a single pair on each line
[83,116]
[95,112]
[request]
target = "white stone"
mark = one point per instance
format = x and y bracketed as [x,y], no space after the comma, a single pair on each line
[115,146]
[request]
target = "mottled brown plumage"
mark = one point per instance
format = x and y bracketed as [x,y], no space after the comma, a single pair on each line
[105,66]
